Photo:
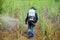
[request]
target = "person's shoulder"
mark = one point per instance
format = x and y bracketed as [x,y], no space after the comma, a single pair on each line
[35,13]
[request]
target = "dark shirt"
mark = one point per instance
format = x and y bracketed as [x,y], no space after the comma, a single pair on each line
[36,18]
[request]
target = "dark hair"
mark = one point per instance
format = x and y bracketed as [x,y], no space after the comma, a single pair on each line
[33,8]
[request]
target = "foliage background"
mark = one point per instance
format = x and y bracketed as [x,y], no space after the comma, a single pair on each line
[46,10]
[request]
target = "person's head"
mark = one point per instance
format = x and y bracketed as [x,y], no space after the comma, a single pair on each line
[32,11]
[33,8]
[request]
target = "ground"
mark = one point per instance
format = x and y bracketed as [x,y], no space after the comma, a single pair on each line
[16,35]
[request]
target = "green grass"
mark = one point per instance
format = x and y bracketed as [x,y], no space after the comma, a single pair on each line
[11,6]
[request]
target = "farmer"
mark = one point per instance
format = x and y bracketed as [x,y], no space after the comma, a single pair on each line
[31,19]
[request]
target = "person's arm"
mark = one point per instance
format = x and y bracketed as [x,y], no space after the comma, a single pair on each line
[36,18]
[26,19]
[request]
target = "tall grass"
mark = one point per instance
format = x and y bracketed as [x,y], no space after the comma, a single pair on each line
[20,7]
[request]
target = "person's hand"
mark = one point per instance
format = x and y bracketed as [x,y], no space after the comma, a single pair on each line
[37,22]
[25,22]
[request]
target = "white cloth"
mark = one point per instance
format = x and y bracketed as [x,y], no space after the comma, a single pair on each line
[31,12]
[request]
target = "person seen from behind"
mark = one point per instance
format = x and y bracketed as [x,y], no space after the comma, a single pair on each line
[31,20]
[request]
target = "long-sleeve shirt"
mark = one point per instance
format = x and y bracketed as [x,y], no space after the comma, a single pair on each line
[36,18]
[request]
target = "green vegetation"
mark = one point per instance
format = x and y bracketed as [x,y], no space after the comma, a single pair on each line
[47,11]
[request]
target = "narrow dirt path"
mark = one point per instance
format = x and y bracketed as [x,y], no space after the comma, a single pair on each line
[36,36]
[17,35]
